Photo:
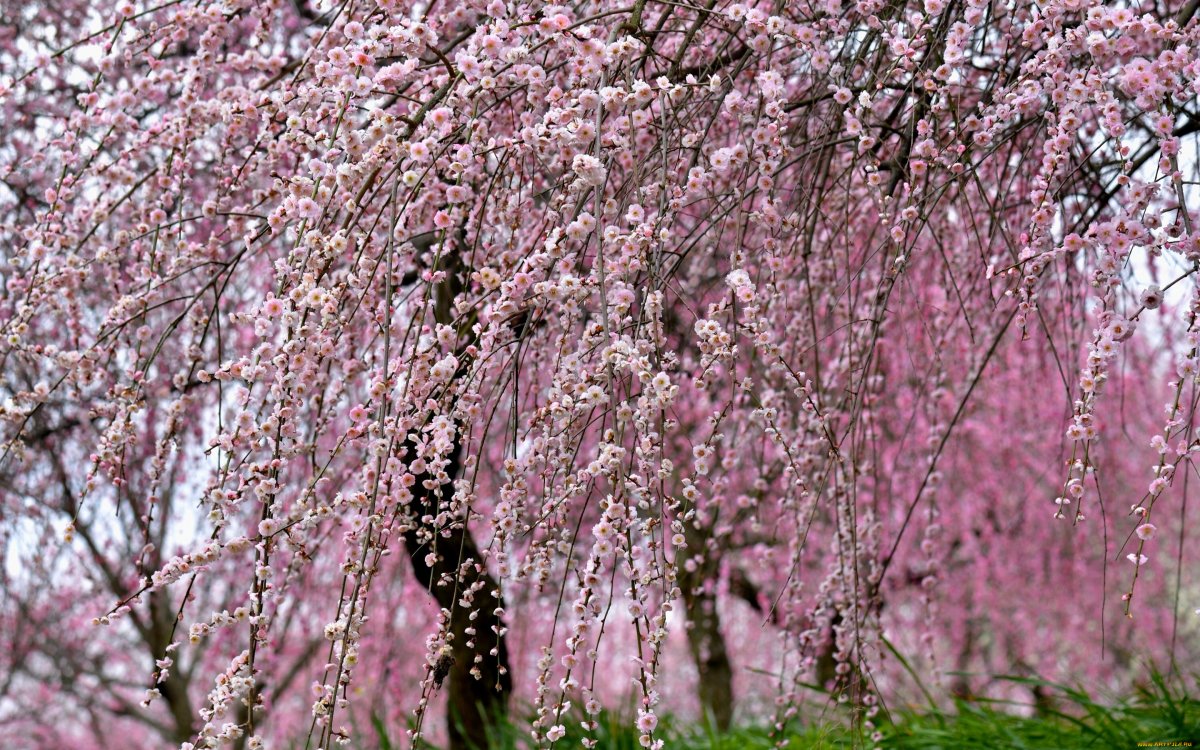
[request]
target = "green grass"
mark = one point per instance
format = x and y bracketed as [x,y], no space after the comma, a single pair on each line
[1158,712]
[1068,719]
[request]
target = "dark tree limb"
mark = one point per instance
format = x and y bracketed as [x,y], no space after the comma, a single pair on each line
[479,680]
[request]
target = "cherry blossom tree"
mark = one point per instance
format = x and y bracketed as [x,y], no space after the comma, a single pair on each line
[406,367]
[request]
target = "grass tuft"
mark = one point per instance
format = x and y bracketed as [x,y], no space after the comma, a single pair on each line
[1065,718]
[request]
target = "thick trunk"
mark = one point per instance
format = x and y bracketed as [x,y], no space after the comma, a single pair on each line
[174,689]
[479,682]
[705,641]
[707,645]
[478,675]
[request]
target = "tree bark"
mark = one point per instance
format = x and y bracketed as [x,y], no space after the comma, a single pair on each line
[174,689]
[707,645]
[477,702]
[705,640]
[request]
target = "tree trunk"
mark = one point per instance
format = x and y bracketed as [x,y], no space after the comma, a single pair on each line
[477,702]
[711,658]
[705,641]
[174,689]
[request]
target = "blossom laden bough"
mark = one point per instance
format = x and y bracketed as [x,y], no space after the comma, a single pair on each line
[434,355]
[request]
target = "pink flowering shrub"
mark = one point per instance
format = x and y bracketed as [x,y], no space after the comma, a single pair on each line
[411,364]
